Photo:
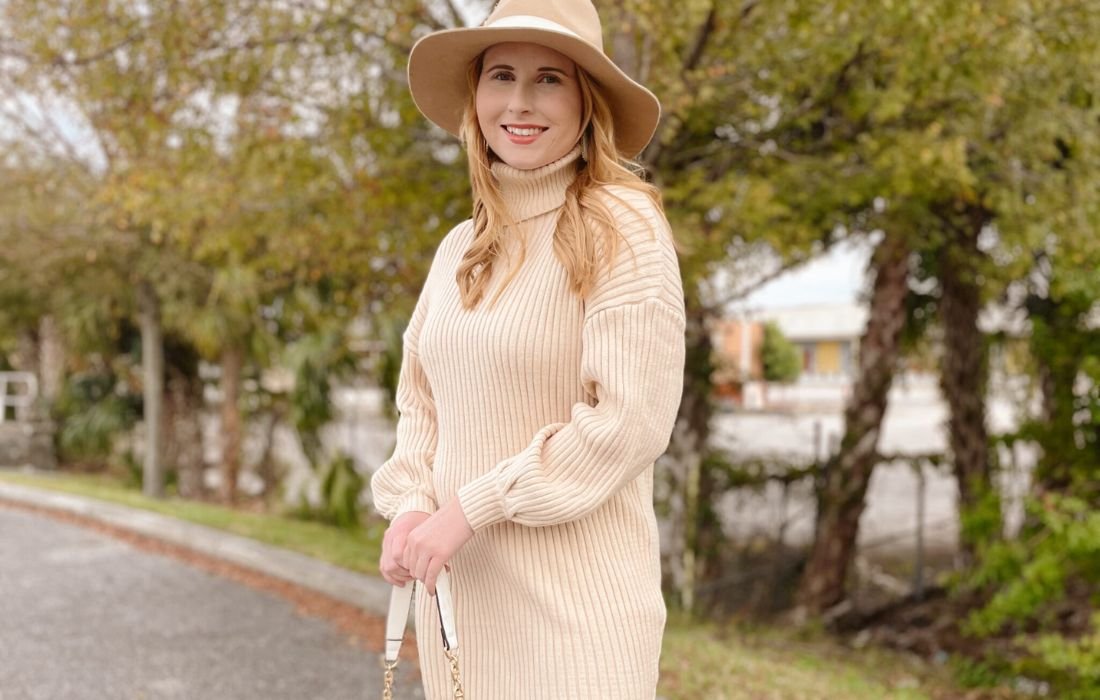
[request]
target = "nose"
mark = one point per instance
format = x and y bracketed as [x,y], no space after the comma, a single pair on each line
[519,101]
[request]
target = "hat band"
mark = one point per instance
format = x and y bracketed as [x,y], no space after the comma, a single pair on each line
[532,22]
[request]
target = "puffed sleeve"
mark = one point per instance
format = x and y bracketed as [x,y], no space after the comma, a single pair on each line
[632,360]
[404,482]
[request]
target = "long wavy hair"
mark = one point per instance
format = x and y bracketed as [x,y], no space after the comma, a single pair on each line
[587,236]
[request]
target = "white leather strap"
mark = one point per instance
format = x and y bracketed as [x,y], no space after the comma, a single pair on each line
[446,606]
[397,619]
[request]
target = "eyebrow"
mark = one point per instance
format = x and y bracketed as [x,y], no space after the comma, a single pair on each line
[543,69]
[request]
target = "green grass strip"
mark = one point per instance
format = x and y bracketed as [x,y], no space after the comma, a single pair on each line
[355,550]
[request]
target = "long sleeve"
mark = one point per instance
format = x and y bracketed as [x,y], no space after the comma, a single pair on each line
[632,361]
[403,483]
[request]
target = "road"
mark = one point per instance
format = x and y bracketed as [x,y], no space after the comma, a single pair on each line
[84,616]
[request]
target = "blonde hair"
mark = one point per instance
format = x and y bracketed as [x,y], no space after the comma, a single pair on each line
[587,236]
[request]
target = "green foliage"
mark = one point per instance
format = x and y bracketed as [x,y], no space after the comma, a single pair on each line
[387,369]
[316,360]
[1030,577]
[782,359]
[983,521]
[91,412]
[341,487]
[1077,659]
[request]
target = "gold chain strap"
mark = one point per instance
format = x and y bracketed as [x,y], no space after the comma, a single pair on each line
[456,680]
[387,679]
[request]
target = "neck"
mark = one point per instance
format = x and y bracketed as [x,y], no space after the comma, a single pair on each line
[529,193]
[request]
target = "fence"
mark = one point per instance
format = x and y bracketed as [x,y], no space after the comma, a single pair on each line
[774,518]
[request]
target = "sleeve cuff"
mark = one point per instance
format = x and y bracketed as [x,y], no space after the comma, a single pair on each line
[491,498]
[481,503]
[415,501]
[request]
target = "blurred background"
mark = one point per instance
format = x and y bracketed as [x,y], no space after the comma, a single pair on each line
[216,216]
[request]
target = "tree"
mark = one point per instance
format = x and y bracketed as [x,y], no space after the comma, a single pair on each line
[847,474]
[240,152]
[792,128]
[781,358]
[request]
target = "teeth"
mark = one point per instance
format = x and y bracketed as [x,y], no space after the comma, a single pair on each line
[523,132]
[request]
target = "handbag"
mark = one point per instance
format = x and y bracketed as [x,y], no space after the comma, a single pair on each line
[397,619]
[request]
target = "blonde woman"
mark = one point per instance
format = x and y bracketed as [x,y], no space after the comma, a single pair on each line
[542,370]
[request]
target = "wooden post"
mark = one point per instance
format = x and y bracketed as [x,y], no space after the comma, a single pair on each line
[918,565]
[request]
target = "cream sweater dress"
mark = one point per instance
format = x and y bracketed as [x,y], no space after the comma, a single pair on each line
[544,416]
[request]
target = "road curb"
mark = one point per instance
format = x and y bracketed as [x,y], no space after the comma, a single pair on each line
[368,593]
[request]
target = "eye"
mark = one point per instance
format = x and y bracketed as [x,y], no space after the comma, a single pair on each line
[501,75]
[549,78]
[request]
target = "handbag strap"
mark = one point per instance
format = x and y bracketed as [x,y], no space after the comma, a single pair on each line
[400,599]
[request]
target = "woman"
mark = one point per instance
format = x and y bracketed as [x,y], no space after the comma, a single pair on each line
[542,370]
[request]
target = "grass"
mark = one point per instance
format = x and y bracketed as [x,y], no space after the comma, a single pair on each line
[741,662]
[699,660]
[355,550]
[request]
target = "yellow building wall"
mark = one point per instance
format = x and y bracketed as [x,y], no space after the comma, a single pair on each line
[827,356]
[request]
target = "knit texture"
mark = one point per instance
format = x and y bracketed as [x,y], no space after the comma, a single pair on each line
[544,415]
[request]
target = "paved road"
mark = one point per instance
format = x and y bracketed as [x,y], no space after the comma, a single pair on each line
[84,616]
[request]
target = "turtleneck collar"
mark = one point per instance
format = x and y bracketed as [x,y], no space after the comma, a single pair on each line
[529,193]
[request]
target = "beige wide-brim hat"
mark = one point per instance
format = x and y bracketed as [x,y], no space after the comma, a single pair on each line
[438,64]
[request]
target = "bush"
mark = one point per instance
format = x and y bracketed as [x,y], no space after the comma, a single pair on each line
[782,359]
[1033,580]
[91,412]
[341,485]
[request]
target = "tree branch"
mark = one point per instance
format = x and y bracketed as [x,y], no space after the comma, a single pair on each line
[692,60]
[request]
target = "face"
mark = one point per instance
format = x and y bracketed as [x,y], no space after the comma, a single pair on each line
[528,104]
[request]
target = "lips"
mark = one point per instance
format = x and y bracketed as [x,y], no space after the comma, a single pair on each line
[523,135]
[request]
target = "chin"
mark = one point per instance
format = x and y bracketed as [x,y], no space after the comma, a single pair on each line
[525,161]
[516,160]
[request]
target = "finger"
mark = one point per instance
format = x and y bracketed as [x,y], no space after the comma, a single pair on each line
[421,569]
[388,566]
[431,574]
[397,571]
[395,547]
[397,580]
[408,553]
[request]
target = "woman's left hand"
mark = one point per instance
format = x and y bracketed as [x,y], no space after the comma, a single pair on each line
[432,543]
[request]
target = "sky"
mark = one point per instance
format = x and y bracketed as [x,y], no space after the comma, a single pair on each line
[834,278]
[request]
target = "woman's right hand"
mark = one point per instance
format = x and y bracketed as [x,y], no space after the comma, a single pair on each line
[393,547]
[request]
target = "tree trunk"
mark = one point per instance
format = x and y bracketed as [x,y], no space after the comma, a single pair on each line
[51,359]
[844,484]
[694,533]
[152,361]
[963,379]
[266,468]
[232,364]
[184,435]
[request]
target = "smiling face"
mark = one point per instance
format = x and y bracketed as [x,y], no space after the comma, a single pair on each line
[528,104]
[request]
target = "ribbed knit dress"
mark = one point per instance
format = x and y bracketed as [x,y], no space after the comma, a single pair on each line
[544,416]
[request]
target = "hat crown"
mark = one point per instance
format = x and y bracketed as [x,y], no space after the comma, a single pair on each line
[577,16]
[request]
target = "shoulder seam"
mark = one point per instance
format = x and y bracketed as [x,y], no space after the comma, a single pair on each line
[660,303]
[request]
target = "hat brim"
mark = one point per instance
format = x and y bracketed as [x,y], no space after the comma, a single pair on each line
[437,78]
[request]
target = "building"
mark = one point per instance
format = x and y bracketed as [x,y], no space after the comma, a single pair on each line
[827,335]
